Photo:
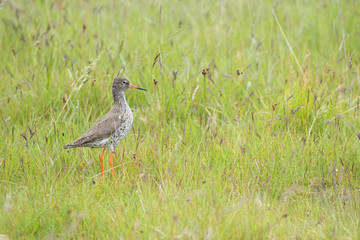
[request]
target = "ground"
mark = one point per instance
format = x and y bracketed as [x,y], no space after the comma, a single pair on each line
[249,128]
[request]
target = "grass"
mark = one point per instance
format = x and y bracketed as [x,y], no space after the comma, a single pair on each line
[250,132]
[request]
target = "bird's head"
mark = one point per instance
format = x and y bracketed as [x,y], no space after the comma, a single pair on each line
[122,84]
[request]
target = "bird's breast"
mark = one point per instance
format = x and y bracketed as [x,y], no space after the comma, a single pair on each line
[126,119]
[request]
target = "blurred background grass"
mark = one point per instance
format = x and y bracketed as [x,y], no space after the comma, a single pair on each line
[237,137]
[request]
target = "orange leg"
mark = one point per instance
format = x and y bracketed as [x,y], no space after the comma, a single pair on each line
[101,162]
[111,166]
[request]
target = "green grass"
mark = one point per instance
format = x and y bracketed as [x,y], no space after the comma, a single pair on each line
[271,152]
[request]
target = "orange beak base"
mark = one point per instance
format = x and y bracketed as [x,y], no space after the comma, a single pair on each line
[132,86]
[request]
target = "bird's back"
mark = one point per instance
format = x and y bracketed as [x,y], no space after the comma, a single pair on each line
[111,125]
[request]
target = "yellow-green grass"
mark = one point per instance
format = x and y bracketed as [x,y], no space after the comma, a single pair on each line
[251,131]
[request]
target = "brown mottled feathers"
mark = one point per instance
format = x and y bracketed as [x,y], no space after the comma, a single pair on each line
[102,129]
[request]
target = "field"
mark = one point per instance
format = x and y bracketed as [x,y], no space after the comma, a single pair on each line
[249,128]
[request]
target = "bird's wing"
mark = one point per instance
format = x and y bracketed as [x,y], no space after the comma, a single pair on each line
[102,129]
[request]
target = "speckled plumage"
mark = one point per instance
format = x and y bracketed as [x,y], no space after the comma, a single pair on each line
[113,126]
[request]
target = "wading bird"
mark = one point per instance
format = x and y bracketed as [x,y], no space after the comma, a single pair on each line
[113,126]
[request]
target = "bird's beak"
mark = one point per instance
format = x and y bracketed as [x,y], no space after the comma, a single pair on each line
[132,86]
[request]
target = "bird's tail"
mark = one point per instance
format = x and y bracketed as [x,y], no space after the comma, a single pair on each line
[72,145]
[80,142]
[69,146]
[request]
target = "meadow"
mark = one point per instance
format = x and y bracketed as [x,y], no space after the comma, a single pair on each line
[249,128]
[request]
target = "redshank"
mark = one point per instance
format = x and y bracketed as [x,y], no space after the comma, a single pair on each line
[113,126]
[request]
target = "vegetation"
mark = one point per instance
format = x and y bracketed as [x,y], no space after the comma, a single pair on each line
[248,130]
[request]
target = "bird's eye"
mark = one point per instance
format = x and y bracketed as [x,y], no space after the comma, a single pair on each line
[124,82]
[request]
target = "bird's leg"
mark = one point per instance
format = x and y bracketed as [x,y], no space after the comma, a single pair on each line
[111,166]
[101,162]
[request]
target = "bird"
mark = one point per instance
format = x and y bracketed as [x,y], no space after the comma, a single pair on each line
[107,132]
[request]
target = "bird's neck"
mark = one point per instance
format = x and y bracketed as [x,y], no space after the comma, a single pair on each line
[119,99]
